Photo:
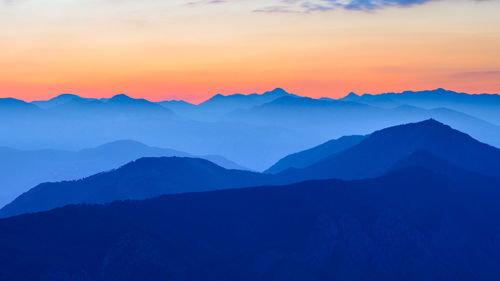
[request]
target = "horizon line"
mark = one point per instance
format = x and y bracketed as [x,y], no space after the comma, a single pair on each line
[243,94]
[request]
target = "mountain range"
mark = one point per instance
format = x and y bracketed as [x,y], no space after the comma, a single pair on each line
[414,201]
[21,170]
[484,106]
[318,118]
[263,124]
[411,224]
[121,104]
[219,106]
[428,143]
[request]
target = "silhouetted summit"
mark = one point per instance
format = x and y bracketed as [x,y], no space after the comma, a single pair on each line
[381,150]
[124,99]
[62,100]
[351,95]
[125,102]
[277,92]
[15,106]
[140,179]
[218,106]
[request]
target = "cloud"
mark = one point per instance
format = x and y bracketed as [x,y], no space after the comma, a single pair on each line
[275,9]
[301,6]
[477,74]
[202,2]
[373,4]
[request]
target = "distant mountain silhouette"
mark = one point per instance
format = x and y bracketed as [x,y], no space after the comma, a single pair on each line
[21,170]
[219,106]
[383,149]
[239,101]
[10,107]
[311,156]
[73,105]
[484,106]
[268,126]
[289,104]
[324,119]
[409,225]
[64,100]
[140,179]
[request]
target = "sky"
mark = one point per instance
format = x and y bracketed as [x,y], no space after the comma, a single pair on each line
[191,50]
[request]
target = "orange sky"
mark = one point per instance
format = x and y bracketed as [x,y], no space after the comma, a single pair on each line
[155,50]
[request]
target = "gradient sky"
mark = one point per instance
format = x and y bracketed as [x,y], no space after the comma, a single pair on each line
[190,50]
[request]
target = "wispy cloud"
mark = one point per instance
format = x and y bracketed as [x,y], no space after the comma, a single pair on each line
[373,4]
[301,6]
[201,2]
[326,5]
[477,74]
[276,9]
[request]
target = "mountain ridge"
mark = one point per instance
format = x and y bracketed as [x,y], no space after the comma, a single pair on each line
[375,154]
[139,179]
[326,229]
[372,156]
[21,170]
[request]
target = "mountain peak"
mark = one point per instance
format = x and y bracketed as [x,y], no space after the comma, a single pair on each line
[441,90]
[277,92]
[65,96]
[352,95]
[12,101]
[423,129]
[432,123]
[120,97]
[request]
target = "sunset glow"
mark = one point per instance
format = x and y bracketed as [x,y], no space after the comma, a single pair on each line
[179,50]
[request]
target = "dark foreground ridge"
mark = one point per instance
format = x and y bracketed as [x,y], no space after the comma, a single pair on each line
[409,225]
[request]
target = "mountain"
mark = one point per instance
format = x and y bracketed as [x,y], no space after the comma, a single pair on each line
[239,101]
[484,106]
[301,109]
[64,100]
[263,145]
[372,156]
[127,150]
[76,125]
[10,107]
[21,170]
[318,119]
[118,106]
[311,156]
[264,130]
[218,106]
[381,150]
[411,224]
[140,179]
[324,119]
